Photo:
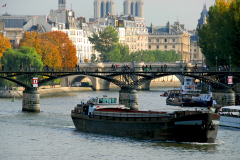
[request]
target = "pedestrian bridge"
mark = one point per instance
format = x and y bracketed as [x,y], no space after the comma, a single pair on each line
[127,77]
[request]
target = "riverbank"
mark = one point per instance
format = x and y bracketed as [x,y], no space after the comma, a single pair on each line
[45,91]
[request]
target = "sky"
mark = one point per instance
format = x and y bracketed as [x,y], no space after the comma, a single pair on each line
[157,12]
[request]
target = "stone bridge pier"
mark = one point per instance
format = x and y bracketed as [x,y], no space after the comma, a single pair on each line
[129,98]
[224,99]
[31,100]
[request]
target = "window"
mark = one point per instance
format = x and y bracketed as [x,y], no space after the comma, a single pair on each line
[195,56]
[157,47]
[195,45]
[149,47]
[173,40]
[149,40]
[173,46]
[158,40]
[195,50]
[165,40]
[165,46]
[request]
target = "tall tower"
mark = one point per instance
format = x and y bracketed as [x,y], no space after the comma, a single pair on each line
[204,15]
[134,8]
[61,4]
[103,7]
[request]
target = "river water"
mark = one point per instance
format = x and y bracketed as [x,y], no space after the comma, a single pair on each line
[51,134]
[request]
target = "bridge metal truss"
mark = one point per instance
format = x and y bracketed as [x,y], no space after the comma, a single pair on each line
[128,79]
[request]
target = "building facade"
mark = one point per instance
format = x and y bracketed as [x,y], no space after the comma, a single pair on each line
[103,7]
[170,37]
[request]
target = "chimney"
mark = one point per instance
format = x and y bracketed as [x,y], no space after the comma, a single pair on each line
[182,26]
[151,28]
[169,27]
[37,26]
[175,27]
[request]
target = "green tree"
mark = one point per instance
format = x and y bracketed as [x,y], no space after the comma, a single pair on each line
[220,36]
[27,56]
[105,41]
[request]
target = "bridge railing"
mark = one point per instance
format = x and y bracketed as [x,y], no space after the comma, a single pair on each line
[125,69]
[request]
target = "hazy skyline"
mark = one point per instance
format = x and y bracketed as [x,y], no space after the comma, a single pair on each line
[157,12]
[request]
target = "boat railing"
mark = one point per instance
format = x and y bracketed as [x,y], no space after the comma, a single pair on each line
[230,114]
[132,115]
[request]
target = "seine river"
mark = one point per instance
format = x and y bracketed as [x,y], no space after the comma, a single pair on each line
[52,135]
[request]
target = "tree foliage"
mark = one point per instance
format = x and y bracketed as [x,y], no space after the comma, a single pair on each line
[120,53]
[13,58]
[105,41]
[220,36]
[55,48]
[27,57]
[4,44]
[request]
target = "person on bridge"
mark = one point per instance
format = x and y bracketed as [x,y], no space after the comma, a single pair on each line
[21,67]
[29,67]
[143,68]
[185,68]
[46,68]
[2,67]
[150,67]
[10,68]
[196,67]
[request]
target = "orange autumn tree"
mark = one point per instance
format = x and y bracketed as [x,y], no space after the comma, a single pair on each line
[65,46]
[55,48]
[32,39]
[4,44]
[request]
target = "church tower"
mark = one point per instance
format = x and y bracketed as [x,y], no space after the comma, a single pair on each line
[134,8]
[103,7]
[61,4]
[204,15]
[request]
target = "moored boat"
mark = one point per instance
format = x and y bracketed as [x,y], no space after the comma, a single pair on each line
[230,116]
[104,115]
[189,95]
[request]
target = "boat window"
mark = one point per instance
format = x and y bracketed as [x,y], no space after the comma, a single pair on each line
[188,80]
[105,100]
[112,100]
[100,100]
[109,100]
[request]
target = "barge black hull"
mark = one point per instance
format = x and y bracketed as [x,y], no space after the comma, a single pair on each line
[190,128]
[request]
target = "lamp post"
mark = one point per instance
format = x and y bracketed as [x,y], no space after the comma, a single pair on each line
[26,63]
[133,62]
[216,62]
[35,63]
[230,63]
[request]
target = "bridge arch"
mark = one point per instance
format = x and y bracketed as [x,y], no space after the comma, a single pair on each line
[98,83]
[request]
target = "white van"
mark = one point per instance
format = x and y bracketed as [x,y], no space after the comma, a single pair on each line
[77,84]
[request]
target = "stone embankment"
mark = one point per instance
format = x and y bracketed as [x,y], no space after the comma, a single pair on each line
[46,91]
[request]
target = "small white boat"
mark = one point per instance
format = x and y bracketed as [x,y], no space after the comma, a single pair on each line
[230,116]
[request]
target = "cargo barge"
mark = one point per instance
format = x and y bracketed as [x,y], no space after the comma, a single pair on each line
[104,115]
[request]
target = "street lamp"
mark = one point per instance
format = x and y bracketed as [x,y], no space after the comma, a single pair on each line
[26,63]
[216,62]
[133,62]
[230,63]
[35,63]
